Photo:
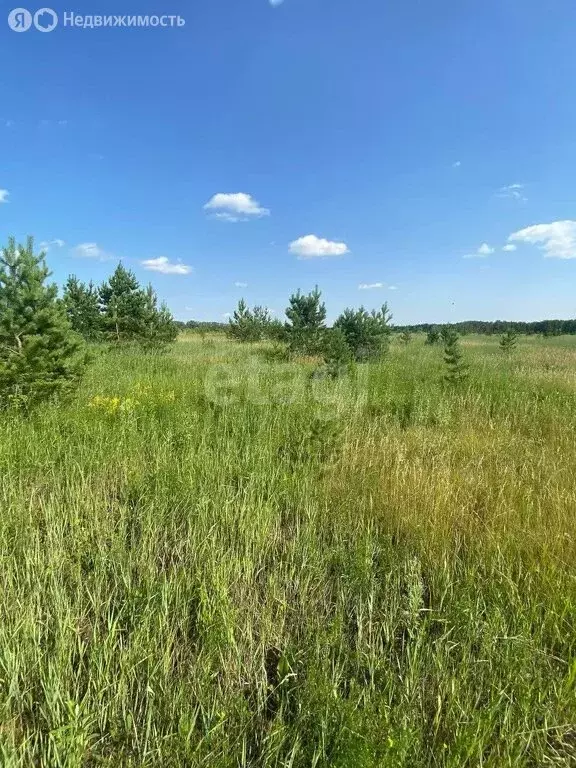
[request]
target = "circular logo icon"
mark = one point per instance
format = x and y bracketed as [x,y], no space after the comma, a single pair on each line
[45,20]
[19,20]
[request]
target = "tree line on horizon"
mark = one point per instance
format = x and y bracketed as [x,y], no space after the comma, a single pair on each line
[498,327]
[483,327]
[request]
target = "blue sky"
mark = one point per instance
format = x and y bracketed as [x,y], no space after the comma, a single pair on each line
[347,143]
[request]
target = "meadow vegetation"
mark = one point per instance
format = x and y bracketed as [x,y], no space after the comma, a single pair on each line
[340,548]
[212,558]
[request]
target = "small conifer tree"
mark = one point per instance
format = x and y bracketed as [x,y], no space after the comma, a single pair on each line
[83,308]
[508,341]
[337,354]
[405,338]
[158,326]
[446,333]
[40,354]
[367,333]
[433,336]
[456,368]
[130,315]
[244,325]
[123,306]
[305,327]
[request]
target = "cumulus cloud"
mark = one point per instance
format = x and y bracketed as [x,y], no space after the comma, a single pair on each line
[47,245]
[392,287]
[485,249]
[92,251]
[557,239]
[512,191]
[509,248]
[166,267]
[370,286]
[235,206]
[482,252]
[313,247]
[4,195]
[239,284]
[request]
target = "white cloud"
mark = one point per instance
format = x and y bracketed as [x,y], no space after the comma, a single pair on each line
[484,250]
[235,206]
[92,251]
[46,245]
[557,239]
[238,284]
[509,248]
[369,286]
[276,3]
[313,247]
[392,287]
[227,315]
[457,164]
[512,191]
[4,195]
[166,267]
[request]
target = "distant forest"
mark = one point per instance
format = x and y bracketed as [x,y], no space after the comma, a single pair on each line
[497,327]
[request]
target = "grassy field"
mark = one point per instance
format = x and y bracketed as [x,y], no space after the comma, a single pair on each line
[214,559]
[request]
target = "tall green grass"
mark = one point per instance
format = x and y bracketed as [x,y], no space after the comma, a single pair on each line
[237,564]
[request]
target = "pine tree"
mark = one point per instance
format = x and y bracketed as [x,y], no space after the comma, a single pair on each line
[40,355]
[123,305]
[243,325]
[367,333]
[276,331]
[457,369]
[433,336]
[158,326]
[337,354]
[508,341]
[306,324]
[83,308]
[446,333]
[130,315]
[405,338]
